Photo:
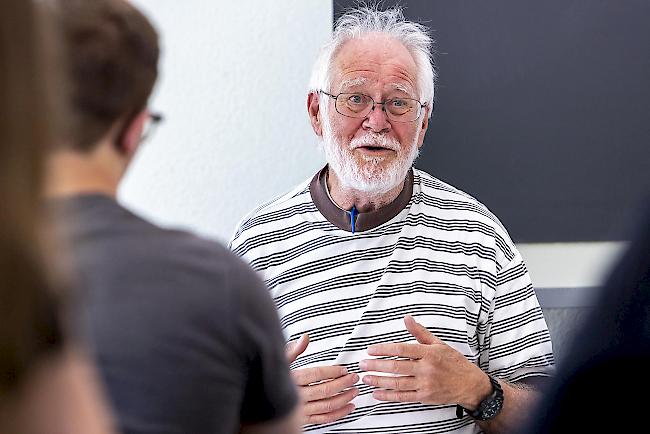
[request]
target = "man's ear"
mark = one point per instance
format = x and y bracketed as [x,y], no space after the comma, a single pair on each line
[315,117]
[425,125]
[132,133]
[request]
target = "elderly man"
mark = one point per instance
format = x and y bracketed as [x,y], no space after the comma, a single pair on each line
[371,254]
[186,337]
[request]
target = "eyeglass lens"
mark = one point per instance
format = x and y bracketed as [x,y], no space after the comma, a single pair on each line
[358,105]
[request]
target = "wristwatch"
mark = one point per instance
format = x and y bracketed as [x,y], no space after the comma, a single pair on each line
[489,407]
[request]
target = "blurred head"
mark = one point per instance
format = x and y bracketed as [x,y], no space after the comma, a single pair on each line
[111,51]
[26,129]
[374,57]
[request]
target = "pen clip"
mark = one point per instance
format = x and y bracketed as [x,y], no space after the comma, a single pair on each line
[353,214]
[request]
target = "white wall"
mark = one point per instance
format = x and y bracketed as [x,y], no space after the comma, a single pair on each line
[232,88]
[570,265]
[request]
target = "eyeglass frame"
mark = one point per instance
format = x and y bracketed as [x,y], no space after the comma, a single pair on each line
[155,118]
[374,104]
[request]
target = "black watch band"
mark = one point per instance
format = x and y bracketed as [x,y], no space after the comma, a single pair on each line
[489,407]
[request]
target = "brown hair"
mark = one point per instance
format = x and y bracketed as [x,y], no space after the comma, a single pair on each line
[28,326]
[111,52]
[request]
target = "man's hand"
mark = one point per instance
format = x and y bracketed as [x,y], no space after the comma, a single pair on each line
[322,389]
[434,373]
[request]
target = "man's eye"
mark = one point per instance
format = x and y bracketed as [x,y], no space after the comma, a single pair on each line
[356,99]
[399,103]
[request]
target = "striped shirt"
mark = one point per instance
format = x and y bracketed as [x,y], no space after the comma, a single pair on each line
[438,255]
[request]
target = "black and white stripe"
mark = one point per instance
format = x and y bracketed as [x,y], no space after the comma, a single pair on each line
[445,259]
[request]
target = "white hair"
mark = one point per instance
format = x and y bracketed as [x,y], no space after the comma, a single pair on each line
[366,20]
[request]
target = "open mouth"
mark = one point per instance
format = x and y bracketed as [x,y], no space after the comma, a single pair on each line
[374,148]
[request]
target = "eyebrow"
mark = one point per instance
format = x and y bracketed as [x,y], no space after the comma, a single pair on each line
[362,80]
[400,87]
[353,82]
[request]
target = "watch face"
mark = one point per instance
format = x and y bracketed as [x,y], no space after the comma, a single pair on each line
[491,408]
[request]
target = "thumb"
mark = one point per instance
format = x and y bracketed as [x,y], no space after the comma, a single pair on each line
[420,332]
[295,348]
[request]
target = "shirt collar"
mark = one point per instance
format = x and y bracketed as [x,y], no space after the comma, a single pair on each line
[364,220]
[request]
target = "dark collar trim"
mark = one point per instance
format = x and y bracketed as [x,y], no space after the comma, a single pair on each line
[365,220]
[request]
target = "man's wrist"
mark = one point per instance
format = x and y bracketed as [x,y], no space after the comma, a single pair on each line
[481,390]
[489,407]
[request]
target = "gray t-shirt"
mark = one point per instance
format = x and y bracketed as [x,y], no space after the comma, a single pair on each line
[185,335]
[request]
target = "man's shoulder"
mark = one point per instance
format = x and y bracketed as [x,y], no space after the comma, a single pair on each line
[441,194]
[297,199]
[435,187]
[179,251]
[100,231]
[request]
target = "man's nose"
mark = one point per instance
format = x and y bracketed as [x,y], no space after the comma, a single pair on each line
[377,120]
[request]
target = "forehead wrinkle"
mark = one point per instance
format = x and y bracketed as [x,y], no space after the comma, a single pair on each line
[376,54]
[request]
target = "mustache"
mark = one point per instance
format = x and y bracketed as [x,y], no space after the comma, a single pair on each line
[373,139]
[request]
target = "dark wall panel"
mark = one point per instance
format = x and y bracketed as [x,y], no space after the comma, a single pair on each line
[542,111]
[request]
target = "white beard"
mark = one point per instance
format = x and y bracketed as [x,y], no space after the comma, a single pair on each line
[373,176]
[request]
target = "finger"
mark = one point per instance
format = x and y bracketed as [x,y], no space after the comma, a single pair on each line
[295,348]
[329,417]
[404,367]
[328,389]
[411,351]
[330,404]
[305,376]
[395,396]
[420,332]
[392,383]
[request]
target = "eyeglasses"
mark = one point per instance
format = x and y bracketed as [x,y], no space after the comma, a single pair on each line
[150,125]
[358,105]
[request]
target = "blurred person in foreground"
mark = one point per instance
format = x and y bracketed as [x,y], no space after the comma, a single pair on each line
[600,384]
[372,260]
[47,386]
[185,335]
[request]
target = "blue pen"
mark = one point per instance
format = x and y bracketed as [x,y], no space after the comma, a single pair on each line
[353,213]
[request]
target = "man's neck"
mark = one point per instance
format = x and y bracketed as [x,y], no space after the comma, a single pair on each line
[71,173]
[345,197]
